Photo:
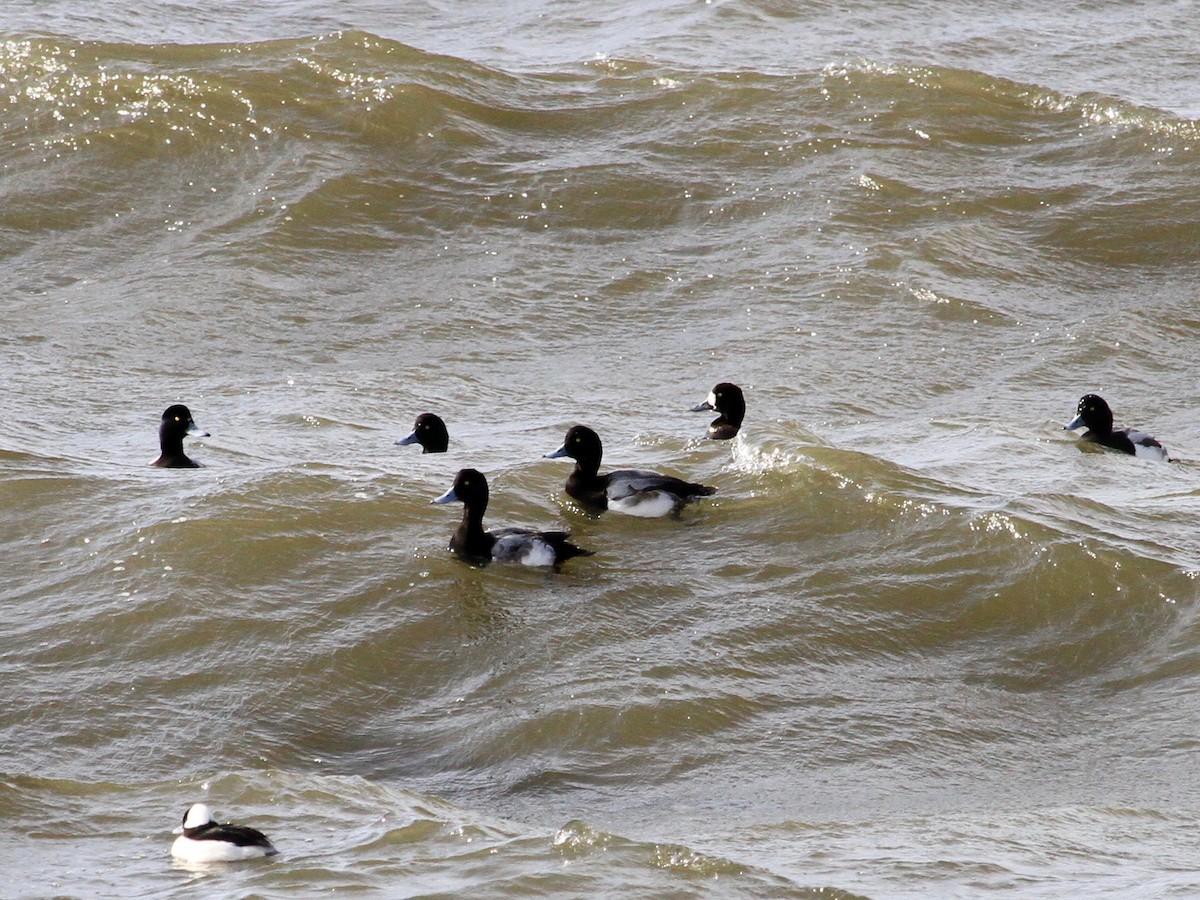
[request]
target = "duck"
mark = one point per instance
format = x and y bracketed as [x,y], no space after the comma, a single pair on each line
[726,399]
[430,432]
[1094,413]
[177,422]
[202,839]
[630,491]
[521,545]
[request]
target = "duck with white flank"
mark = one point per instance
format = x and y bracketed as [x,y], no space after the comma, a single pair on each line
[630,491]
[1095,414]
[203,840]
[523,545]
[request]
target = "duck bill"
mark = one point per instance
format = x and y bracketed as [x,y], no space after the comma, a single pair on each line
[404,442]
[561,451]
[710,403]
[1076,422]
[194,430]
[448,497]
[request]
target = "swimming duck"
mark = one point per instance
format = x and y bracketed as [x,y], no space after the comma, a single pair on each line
[203,840]
[1095,414]
[471,543]
[176,422]
[430,432]
[727,400]
[629,491]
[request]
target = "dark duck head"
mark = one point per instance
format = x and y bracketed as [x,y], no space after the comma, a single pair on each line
[177,423]
[430,432]
[726,399]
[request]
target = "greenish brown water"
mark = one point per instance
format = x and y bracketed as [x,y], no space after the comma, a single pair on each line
[921,642]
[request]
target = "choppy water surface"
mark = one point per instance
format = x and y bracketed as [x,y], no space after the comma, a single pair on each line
[921,642]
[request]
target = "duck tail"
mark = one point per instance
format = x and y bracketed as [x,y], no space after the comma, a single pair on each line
[563,548]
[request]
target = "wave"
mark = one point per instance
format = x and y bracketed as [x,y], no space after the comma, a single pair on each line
[357,87]
[344,833]
[349,139]
[982,100]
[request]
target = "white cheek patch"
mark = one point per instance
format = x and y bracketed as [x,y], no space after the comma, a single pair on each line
[198,814]
[712,399]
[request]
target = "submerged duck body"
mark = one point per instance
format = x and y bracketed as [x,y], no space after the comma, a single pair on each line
[728,400]
[176,424]
[633,492]
[521,545]
[430,432]
[202,839]
[1094,414]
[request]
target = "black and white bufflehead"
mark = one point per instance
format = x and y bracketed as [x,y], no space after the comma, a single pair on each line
[202,840]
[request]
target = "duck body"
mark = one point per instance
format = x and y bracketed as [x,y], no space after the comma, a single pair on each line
[177,423]
[430,432]
[634,492]
[1094,414]
[728,400]
[203,840]
[471,543]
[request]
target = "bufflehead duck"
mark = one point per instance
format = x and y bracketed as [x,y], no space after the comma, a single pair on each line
[471,543]
[202,840]
[629,491]
[430,432]
[726,399]
[176,422]
[1095,414]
